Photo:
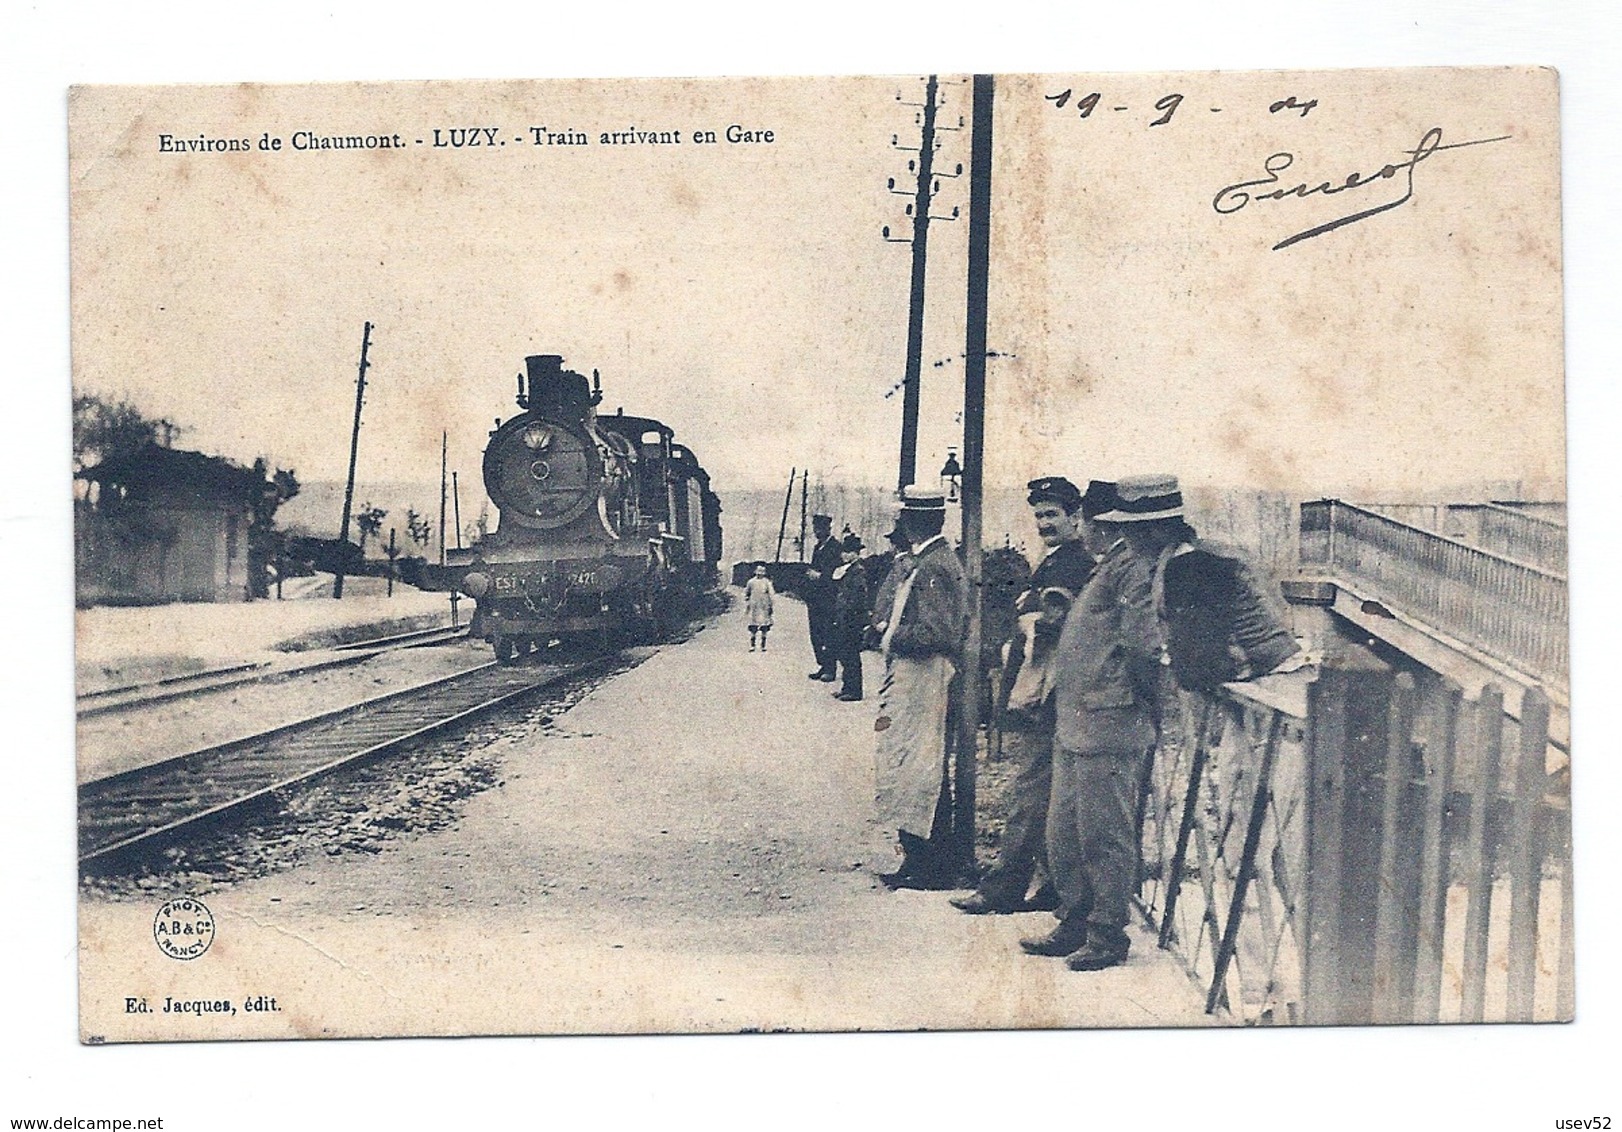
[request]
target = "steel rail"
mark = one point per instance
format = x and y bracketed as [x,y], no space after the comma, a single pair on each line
[309,749]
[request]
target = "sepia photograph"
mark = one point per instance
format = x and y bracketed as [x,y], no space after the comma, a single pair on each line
[920,552]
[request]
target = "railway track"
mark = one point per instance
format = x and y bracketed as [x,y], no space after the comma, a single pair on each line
[139,810]
[149,692]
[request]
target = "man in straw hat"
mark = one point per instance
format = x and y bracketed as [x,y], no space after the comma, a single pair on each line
[922,636]
[1060,512]
[1221,621]
[1107,675]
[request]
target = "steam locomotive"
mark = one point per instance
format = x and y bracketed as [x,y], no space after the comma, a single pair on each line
[607,527]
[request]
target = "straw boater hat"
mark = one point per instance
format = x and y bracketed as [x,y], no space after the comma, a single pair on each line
[1143,499]
[922,500]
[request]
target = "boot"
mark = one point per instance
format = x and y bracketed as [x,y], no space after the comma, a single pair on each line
[1070,935]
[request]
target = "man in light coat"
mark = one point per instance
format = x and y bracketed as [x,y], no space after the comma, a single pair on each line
[921,639]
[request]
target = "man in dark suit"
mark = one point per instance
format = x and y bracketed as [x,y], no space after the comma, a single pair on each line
[1059,511]
[1107,679]
[821,593]
[850,618]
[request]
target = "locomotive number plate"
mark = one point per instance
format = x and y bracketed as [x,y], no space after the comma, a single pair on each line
[521,583]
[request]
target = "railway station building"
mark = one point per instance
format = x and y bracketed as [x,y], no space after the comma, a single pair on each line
[164,524]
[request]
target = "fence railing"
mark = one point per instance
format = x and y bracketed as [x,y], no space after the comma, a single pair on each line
[1548,508]
[1389,853]
[1223,851]
[1515,611]
[1526,536]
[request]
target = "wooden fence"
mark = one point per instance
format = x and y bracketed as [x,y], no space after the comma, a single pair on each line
[1378,850]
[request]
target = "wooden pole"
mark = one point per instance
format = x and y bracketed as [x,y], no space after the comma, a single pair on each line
[456,503]
[915,314]
[444,445]
[782,527]
[805,489]
[354,449]
[974,411]
[393,552]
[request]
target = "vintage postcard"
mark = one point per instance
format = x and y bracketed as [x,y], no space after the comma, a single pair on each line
[919,552]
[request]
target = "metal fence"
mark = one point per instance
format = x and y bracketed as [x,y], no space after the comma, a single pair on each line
[1512,610]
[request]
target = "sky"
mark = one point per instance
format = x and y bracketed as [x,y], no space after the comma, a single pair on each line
[742,291]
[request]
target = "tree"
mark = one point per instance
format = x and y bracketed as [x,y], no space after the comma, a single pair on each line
[418,527]
[370,521]
[105,429]
[264,540]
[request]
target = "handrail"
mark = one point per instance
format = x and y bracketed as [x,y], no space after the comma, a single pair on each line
[1511,609]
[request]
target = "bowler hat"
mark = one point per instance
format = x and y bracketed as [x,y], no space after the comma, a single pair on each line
[1143,499]
[852,542]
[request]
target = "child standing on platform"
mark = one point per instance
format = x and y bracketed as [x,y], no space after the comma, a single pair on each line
[757,599]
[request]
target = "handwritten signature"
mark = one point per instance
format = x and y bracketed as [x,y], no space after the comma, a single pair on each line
[1236,196]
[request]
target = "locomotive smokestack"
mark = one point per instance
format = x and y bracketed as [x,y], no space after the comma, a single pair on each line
[554,390]
[543,369]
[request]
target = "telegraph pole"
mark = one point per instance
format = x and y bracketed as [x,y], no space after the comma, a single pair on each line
[444,445]
[974,407]
[354,449]
[805,490]
[915,315]
[456,508]
[782,527]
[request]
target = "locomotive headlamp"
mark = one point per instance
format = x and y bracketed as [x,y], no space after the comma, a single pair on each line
[475,584]
[537,437]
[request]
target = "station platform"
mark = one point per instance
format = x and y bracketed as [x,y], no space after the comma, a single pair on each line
[115,646]
[690,848]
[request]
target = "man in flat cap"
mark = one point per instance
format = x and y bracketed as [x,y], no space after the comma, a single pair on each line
[922,642]
[1106,702]
[820,596]
[1060,512]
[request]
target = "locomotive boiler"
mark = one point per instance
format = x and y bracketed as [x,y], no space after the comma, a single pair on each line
[607,527]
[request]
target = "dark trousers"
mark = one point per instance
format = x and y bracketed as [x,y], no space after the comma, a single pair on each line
[850,660]
[1092,840]
[820,613]
[930,858]
[1024,841]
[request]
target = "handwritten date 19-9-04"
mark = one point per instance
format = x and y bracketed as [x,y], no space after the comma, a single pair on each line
[1236,196]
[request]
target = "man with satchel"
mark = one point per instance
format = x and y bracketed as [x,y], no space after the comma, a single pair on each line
[1060,511]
